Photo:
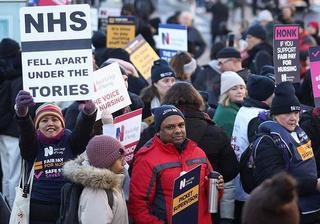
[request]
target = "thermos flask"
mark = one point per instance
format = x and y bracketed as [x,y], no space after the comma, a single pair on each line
[213,192]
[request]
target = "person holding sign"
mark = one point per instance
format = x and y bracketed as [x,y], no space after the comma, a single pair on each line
[46,144]
[156,166]
[286,147]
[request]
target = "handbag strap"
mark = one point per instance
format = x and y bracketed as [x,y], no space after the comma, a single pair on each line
[26,186]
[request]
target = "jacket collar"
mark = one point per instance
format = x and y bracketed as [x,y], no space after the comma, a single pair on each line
[249,102]
[78,172]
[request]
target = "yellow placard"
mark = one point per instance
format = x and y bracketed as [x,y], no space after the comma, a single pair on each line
[142,55]
[305,151]
[120,31]
[185,199]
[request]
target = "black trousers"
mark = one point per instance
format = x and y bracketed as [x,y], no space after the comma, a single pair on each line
[313,218]
[43,212]
[238,206]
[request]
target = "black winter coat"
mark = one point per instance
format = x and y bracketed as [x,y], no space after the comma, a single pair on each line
[311,125]
[259,55]
[214,142]
[269,161]
[10,85]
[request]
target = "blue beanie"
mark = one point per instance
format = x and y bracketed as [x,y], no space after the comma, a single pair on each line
[160,70]
[164,111]
[260,87]
[257,31]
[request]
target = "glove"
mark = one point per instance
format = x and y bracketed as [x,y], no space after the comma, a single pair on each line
[106,117]
[23,101]
[87,107]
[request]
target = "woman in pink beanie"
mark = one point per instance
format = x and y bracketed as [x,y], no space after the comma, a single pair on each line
[100,172]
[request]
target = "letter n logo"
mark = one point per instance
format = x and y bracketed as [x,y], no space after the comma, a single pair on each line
[165,38]
[48,151]
[182,183]
[120,133]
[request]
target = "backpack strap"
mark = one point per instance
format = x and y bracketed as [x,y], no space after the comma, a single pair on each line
[286,154]
[109,193]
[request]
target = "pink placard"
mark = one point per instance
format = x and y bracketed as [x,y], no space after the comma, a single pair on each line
[286,32]
[315,77]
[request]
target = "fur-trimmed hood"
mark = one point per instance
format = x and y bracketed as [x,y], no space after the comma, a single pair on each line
[78,172]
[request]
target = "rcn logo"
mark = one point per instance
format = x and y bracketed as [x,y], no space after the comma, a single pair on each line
[120,133]
[48,151]
[165,38]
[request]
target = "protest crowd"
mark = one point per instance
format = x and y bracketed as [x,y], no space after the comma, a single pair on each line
[139,137]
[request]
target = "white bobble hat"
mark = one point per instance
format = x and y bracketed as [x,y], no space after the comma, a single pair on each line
[230,79]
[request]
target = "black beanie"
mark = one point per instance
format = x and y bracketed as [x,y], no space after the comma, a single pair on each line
[98,40]
[257,31]
[260,87]
[285,100]
[120,53]
[228,52]
[164,111]
[160,70]
[8,48]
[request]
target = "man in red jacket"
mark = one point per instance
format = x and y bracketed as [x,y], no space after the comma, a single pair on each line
[158,163]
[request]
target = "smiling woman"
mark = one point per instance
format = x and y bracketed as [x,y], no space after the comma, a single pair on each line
[46,145]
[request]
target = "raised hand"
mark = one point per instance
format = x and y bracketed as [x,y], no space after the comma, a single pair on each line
[24,100]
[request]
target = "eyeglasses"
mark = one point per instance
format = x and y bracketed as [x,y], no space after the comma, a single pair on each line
[225,61]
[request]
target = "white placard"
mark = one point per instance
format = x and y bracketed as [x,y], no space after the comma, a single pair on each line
[127,129]
[173,37]
[66,22]
[105,12]
[56,52]
[110,90]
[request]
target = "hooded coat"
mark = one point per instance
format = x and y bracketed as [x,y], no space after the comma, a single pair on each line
[93,202]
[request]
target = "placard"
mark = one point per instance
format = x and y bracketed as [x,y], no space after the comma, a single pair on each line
[104,13]
[141,55]
[120,31]
[110,90]
[173,38]
[56,52]
[185,200]
[127,130]
[48,2]
[286,53]
[314,55]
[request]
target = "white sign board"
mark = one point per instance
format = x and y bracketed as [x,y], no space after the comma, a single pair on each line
[127,129]
[110,90]
[105,12]
[56,52]
[173,37]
